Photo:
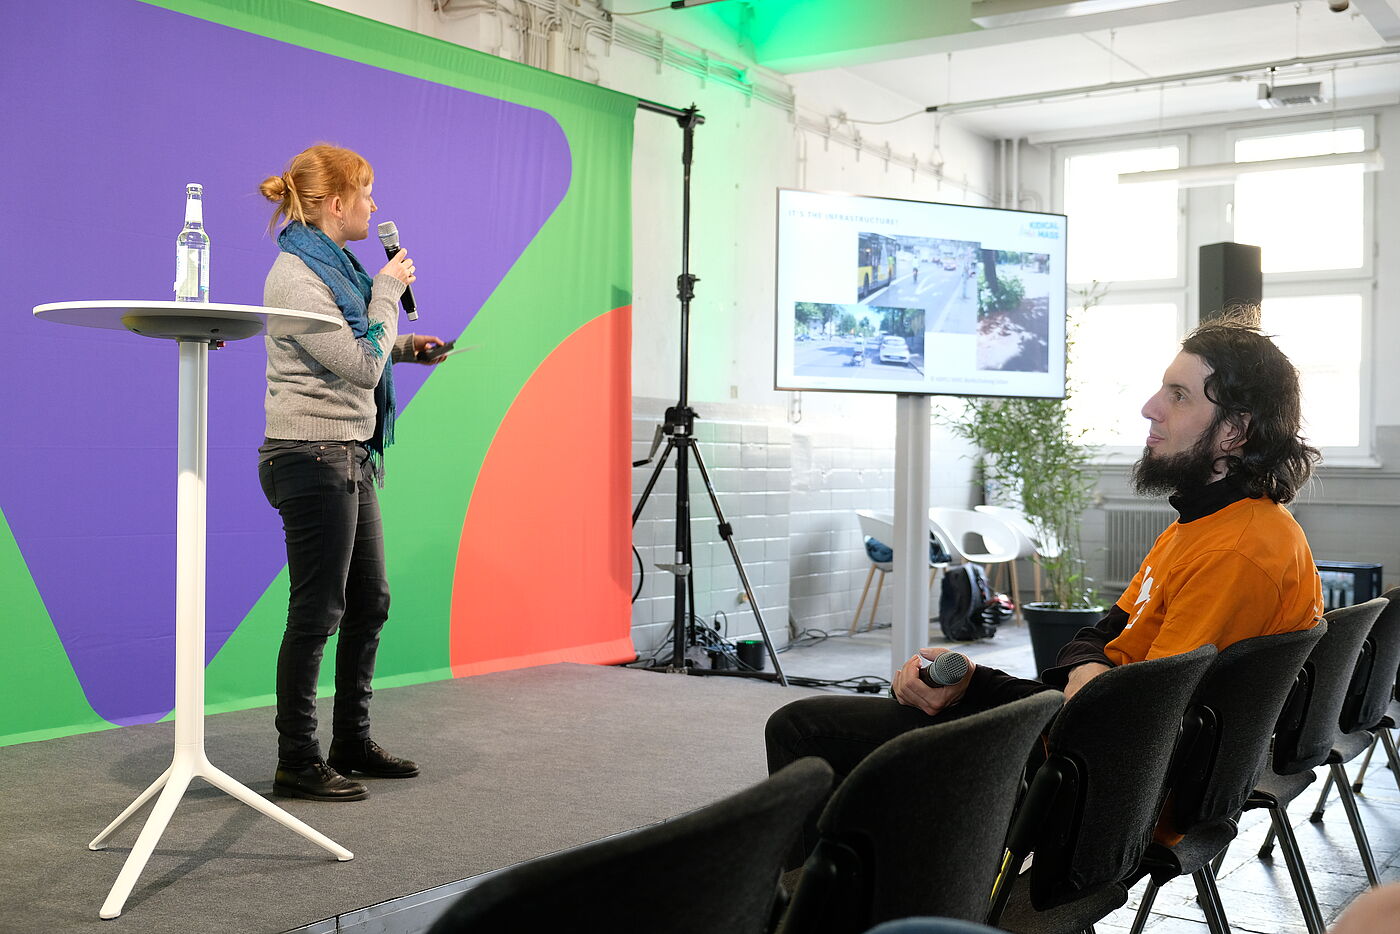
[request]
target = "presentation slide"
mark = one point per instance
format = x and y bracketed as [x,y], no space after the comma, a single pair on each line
[886,295]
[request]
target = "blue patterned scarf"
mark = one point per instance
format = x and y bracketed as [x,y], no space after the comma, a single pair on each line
[351,287]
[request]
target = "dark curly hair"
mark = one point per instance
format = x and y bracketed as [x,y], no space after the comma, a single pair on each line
[1255,390]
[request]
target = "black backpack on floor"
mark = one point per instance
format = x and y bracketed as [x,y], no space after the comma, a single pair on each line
[967,608]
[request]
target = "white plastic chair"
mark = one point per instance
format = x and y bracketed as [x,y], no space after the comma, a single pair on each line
[881,527]
[999,543]
[1040,544]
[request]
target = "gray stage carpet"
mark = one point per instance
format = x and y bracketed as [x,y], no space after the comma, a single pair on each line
[515,765]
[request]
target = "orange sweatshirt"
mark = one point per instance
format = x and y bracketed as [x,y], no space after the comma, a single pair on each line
[1244,570]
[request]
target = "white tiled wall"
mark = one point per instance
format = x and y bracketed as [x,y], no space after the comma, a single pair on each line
[791,494]
[749,465]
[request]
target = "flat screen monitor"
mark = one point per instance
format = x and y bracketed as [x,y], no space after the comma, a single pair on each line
[887,295]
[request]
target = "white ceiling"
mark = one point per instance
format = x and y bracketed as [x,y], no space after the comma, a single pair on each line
[1156,42]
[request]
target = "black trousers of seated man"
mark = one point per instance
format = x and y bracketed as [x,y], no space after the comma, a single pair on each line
[843,730]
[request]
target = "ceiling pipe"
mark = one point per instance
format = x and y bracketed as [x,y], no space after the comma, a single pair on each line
[1016,174]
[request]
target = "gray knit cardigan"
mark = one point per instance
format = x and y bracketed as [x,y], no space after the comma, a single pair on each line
[320,387]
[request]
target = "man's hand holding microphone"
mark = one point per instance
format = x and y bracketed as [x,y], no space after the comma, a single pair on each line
[933,680]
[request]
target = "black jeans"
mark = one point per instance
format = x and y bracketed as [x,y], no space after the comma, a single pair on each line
[335,560]
[843,730]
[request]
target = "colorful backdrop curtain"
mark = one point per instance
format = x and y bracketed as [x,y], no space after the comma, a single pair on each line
[508,495]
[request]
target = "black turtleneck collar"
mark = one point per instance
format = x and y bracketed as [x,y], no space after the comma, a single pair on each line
[1213,497]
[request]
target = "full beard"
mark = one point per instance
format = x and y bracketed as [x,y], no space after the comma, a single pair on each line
[1158,474]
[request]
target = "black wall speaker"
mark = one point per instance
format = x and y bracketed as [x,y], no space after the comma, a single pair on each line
[1230,275]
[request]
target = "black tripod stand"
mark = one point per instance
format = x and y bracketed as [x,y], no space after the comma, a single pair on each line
[679,429]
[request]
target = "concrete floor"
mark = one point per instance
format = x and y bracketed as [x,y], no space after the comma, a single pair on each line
[1257,894]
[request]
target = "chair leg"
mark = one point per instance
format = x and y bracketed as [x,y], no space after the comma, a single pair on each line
[1016,592]
[1219,860]
[1366,763]
[1266,849]
[1209,897]
[1368,861]
[876,605]
[1390,753]
[855,621]
[1149,896]
[1316,815]
[1293,859]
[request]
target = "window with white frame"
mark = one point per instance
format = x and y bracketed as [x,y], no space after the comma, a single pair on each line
[1119,233]
[1322,335]
[1129,237]
[1117,357]
[1305,220]
[1313,225]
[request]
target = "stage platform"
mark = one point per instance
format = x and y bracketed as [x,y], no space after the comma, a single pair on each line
[515,765]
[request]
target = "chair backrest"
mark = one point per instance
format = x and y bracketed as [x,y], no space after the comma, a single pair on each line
[1229,724]
[876,526]
[1043,542]
[715,869]
[956,526]
[1307,728]
[881,528]
[1373,682]
[1019,525]
[1104,776]
[918,826]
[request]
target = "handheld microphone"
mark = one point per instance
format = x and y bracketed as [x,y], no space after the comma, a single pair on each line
[389,236]
[948,668]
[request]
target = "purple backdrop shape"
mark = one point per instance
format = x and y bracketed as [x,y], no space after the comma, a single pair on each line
[111,107]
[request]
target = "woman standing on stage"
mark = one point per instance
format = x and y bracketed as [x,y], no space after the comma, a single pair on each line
[330,415]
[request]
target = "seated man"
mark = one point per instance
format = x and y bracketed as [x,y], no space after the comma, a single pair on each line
[1224,442]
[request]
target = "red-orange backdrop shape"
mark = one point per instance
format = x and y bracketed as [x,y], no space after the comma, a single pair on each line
[544,571]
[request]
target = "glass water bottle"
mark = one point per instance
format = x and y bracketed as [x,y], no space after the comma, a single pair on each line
[192,250]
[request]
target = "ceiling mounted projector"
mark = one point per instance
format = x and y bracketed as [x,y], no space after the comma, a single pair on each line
[1290,95]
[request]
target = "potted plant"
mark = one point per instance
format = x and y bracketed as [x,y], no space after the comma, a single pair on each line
[1031,453]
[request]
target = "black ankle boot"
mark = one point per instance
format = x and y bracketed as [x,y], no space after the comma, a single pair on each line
[366,756]
[316,780]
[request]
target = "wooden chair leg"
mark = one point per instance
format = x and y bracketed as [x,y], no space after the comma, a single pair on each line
[1035,563]
[1016,593]
[876,605]
[855,620]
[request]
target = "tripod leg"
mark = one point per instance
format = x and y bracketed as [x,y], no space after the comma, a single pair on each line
[655,475]
[727,533]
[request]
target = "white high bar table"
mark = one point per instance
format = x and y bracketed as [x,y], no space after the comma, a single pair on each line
[194,326]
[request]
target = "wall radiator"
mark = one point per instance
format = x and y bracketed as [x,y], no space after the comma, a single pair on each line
[1131,530]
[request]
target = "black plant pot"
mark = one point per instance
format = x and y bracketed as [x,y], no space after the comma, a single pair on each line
[1052,626]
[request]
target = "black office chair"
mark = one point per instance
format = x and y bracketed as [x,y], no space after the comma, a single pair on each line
[1090,810]
[1363,717]
[1385,740]
[1387,722]
[1223,750]
[1304,736]
[918,826]
[731,852]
